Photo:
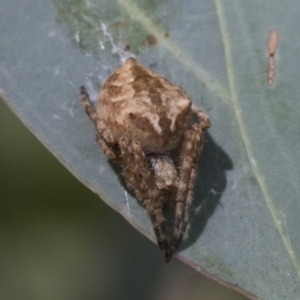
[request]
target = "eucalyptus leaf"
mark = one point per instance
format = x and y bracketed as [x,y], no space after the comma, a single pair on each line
[244,221]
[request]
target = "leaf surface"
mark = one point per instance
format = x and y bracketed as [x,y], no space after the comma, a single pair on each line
[244,222]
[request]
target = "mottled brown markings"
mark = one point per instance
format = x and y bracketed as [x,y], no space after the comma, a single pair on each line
[157,95]
[155,98]
[140,117]
[141,123]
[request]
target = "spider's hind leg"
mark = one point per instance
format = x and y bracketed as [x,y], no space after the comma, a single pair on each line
[188,162]
[139,178]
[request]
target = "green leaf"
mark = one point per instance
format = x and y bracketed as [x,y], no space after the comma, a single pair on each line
[243,228]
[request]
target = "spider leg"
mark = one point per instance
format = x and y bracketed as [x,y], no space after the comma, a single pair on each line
[139,177]
[104,139]
[203,118]
[89,109]
[188,161]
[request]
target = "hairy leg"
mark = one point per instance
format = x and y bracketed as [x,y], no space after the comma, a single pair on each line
[139,177]
[88,107]
[188,161]
[104,139]
[203,118]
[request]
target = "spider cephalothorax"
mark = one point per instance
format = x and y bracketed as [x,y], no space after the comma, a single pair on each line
[140,118]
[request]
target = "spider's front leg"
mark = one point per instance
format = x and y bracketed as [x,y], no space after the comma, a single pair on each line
[188,161]
[104,138]
[139,178]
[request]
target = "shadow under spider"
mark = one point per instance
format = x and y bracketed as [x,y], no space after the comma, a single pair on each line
[210,184]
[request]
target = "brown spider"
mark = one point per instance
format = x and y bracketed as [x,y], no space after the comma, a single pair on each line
[140,118]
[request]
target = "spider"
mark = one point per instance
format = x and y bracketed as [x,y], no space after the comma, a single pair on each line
[140,118]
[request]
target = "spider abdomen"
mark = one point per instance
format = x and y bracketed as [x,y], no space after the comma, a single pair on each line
[144,106]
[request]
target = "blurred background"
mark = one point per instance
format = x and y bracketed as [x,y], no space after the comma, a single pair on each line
[59,241]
